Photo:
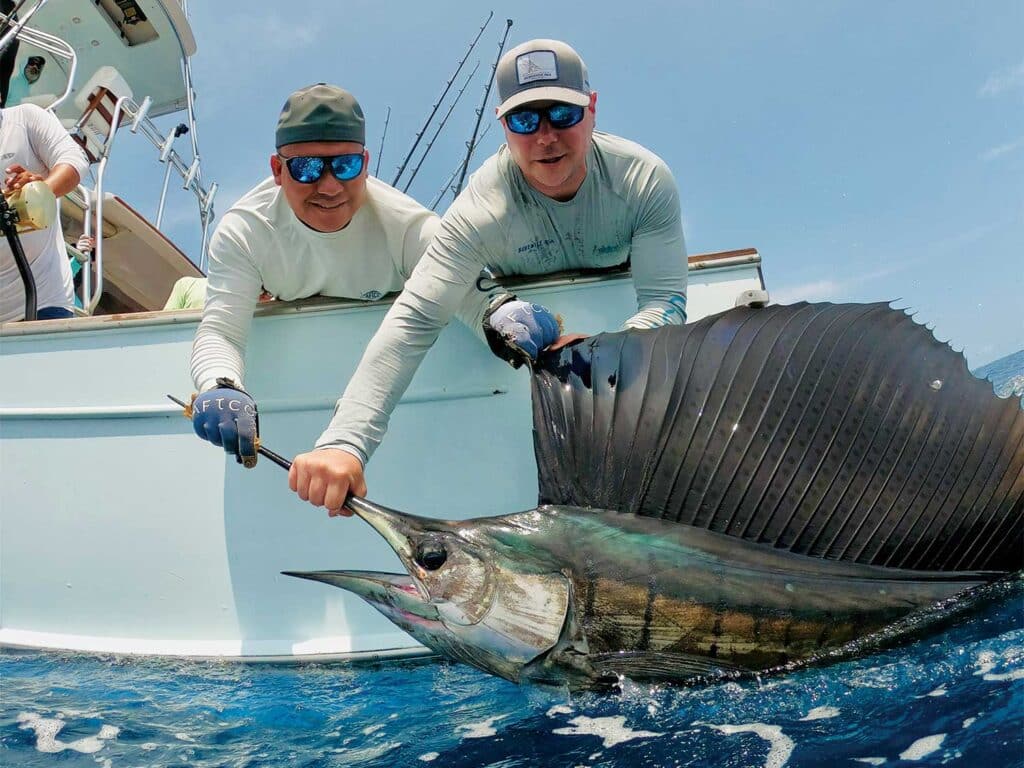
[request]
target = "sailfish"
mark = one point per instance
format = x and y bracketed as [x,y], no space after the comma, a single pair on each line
[743,492]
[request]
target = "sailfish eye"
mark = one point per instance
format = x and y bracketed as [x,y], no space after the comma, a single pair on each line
[430,555]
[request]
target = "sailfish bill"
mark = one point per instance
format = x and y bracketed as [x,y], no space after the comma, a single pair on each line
[736,494]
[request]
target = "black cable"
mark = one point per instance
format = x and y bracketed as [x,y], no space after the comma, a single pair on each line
[9,224]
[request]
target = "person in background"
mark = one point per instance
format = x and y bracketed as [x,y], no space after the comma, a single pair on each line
[85,246]
[190,293]
[37,148]
[556,196]
[318,225]
[187,293]
[21,84]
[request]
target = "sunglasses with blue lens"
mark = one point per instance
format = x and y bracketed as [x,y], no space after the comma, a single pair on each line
[526,121]
[308,169]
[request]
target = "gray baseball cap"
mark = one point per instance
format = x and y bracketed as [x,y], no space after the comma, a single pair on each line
[320,112]
[541,70]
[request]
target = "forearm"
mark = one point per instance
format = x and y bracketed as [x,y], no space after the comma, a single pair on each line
[658,313]
[232,292]
[62,179]
[440,286]
[471,312]
[658,256]
[659,277]
[214,357]
[391,359]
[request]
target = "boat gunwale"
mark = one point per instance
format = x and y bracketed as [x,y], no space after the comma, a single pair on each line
[410,653]
[716,262]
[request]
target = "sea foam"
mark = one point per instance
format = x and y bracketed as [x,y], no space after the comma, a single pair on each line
[780,745]
[923,747]
[611,730]
[46,730]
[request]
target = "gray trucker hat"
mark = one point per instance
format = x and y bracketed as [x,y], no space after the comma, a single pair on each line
[541,70]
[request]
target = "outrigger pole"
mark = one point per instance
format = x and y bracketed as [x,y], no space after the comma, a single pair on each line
[380,154]
[471,144]
[439,127]
[444,93]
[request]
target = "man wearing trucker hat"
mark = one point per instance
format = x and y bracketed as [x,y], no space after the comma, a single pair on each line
[318,225]
[557,196]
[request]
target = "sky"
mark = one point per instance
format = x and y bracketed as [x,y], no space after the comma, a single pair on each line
[870,151]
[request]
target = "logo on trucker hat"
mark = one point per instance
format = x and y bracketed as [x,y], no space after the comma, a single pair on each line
[536,65]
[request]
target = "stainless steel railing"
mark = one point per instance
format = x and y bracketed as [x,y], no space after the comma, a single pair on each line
[189,173]
[189,170]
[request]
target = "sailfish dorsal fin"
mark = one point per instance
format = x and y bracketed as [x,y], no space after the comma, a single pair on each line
[839,431]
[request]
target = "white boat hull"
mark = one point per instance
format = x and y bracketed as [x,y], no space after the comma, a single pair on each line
[121,532]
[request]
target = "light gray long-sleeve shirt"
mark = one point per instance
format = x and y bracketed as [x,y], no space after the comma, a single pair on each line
[260,243]
[626,209]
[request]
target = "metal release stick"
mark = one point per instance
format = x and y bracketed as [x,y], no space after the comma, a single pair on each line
[277,458]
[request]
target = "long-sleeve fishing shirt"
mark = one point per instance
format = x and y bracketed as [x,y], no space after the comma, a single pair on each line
[35,139]
[627,209]
[260,243]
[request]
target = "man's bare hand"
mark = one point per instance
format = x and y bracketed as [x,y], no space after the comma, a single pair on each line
[569,338]
[326,477]
[18,177]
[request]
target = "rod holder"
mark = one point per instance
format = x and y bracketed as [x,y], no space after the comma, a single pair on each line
[140,115]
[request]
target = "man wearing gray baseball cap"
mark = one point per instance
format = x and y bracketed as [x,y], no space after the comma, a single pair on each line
[556,196]
[319,224]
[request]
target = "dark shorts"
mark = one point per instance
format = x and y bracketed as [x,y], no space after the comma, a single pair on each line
[53,313]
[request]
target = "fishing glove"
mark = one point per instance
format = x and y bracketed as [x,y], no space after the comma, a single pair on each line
[226,416]
[518,330]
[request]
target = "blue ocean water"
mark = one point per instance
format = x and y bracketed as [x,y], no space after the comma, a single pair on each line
[1006,374]
[954,696]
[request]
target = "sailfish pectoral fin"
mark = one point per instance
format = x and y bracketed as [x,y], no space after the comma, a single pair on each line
[663,665]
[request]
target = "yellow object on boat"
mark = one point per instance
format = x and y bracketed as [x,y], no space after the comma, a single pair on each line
[35,205]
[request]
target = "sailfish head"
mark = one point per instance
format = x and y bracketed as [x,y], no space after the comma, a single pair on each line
[462,595]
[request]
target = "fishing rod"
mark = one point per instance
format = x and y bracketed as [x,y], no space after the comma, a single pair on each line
[447,186]
[387,117]
[277,458]
[439,127]
[444,93]
[483,105]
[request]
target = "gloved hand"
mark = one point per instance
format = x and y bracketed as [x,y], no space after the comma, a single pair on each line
[526,328]
[226,416]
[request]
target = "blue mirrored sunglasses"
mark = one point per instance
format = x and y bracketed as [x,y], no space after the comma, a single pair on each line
[308,169]
[560,116]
